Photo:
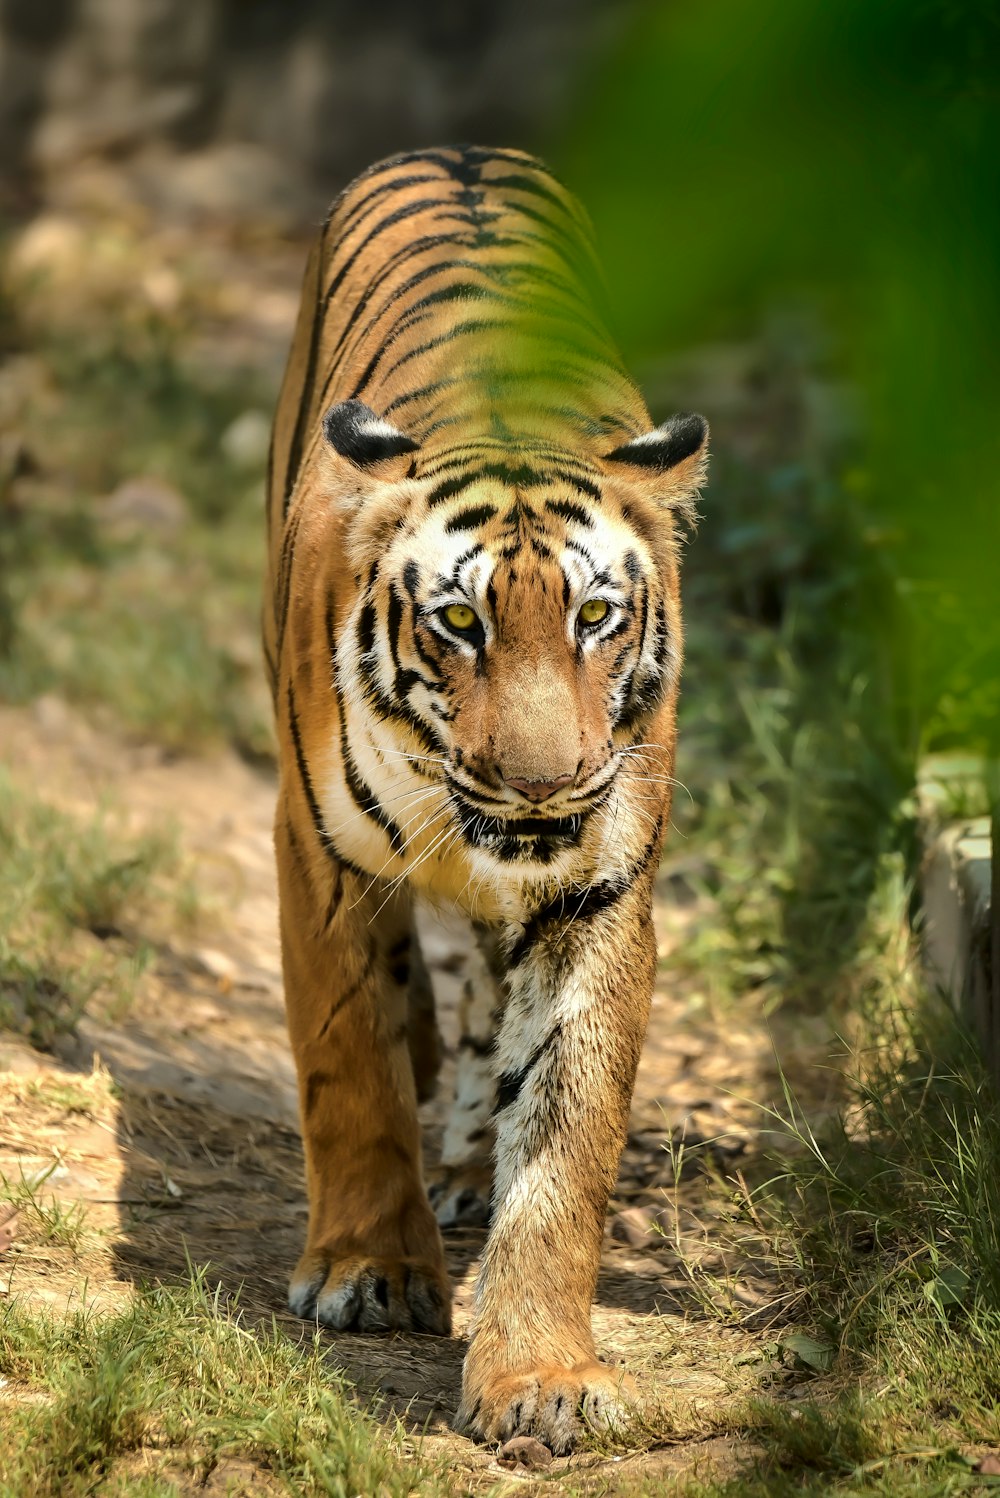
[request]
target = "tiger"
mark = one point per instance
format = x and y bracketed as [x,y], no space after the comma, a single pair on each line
[473,640]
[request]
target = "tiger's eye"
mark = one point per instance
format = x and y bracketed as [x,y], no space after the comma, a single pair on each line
[460,616]
[594,610]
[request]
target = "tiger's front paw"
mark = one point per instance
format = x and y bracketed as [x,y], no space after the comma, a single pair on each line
[551,1403]
[372,1294]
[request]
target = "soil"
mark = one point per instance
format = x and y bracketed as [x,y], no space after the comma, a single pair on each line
[188,1150]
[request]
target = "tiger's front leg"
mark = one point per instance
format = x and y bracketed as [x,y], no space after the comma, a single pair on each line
[568,1052]
[373,1258]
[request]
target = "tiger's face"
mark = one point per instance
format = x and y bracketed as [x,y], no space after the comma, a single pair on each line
[525,638]
[511,642]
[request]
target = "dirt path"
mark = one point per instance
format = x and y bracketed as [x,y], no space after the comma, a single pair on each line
[194,1151]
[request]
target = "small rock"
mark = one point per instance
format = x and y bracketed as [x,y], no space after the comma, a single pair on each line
[51,715]
[141,506]
[636,1226]
[524,1451]
[246,440]
[162,287]
[216,964]
[51,245]
[989,1465]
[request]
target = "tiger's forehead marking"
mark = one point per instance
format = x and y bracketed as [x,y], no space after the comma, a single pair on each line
[548,529]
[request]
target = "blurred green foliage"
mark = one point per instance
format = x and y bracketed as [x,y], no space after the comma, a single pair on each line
[738,154]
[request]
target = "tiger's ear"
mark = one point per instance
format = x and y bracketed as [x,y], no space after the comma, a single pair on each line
[676,454]
[368,494]
[356,433]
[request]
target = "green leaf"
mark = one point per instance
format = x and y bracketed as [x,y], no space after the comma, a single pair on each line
[813,1353]
[948,1289]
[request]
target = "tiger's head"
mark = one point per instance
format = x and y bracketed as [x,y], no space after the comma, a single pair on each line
[516,630]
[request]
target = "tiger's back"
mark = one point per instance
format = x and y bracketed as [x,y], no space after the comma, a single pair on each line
[455,290]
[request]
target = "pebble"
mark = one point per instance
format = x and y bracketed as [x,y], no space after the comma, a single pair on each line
[141,506]
[524,1451]
[246,439]
[216,964]
[636,1226]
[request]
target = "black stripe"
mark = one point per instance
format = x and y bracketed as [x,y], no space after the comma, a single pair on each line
[475,550]
[520,183]
[585,485]
[271,669]
[398,216]
[538,447]
[569,511]
[467,520]
[305,777]
[418,394]
[284,579]
[510,1084]
[477,1046]
[366,628]
[400,711]
[646,694]
[448,488]
[364,379]
[295,849]
[566,910]
[457,330]
[354,215]
[394,623]
[363,796]
[440,267]
[351,992]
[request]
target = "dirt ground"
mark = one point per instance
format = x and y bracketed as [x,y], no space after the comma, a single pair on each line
[186,1146]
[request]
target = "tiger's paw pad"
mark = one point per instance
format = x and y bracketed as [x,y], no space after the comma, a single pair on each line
[461,1198]
[361,1294]
[555,1405]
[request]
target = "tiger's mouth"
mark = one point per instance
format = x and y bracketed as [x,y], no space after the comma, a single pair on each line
[515,837]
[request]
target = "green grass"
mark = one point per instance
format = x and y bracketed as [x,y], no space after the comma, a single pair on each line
[181,1379]
[45,1219]
[76,895]
[884,1227]
[799,759]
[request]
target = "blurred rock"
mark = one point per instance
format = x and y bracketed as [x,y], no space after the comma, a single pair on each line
[162,288]
[638,1227]
[265,110]
[231,180]
[52,716]
[246,440]
[216,964]
[142,506]
[50,245]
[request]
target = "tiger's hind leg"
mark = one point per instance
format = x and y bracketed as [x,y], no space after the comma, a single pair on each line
[461,1194]
[373,1258]
[423,1035]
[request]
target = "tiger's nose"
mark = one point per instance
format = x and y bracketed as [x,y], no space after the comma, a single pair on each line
[538,790]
